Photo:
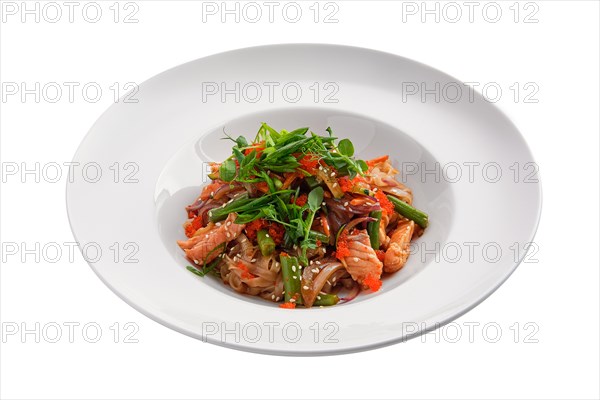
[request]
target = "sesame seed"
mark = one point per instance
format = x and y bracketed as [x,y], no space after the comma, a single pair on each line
[277,298]
[311,262]
[346,204]
[294,268]
[212,194]
[239,255]
[323,203]
[277,263]
[329,282]
[206,236]
[228,234]
[292,300]
[305,287]
[218,224]
[315,270]
[283,292]
[318,297]
[235,258]
[332,174]
[295,277]
[196,262]
[318,262]
[320,168]
[374,189]
[267,235]
[253,260]
[228,223]
[335,184]
[295,247]
[355,259]
[333,279]
[273,296]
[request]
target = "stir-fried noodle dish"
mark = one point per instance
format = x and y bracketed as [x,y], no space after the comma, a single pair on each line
[294,218]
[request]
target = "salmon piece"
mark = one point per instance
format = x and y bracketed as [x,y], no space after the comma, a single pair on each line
[209,190]
[399,247]
[362,262]
[191,242]
[199,248]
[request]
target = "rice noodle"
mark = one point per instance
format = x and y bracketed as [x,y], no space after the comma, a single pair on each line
[315,283]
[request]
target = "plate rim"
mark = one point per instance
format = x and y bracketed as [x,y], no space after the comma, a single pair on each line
[318,352]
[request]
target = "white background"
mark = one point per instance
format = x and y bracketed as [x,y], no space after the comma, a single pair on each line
[558,295]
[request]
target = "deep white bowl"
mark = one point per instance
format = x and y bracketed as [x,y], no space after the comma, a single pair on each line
[166,139]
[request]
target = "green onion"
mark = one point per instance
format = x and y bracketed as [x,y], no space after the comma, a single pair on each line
[218,214]
[243,204]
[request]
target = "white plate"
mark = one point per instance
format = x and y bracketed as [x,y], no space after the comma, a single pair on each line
[164,140]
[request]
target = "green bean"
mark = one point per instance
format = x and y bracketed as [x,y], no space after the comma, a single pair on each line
[410,212]
[373,229]
[265,242]
[290,269]
[326,300]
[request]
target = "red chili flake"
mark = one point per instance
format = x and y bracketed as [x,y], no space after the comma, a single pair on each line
[380,255]
[193,226]
[288,305]
[259,147]
[373,282]
[345,184]
[277,232]
[253,227]
[309,162]
[301,200]
[245,273]
[385,204]
[342,250]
